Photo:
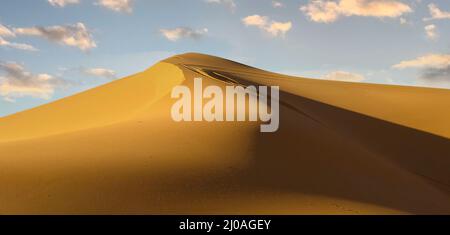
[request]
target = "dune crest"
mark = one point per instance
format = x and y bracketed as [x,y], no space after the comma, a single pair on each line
[342,148]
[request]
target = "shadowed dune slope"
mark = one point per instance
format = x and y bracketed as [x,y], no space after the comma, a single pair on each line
[342,148]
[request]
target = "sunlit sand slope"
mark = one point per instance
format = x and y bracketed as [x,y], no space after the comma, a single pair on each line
[342,148]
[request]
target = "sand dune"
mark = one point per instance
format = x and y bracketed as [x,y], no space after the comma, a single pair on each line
[342,148]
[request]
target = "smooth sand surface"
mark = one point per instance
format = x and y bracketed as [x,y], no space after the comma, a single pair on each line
[342,148]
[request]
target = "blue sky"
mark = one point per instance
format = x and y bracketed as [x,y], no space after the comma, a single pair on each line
[50,49]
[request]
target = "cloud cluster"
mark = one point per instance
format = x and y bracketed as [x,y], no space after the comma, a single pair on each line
[274,28]
[435,69]
[101,72]
[344,76]
[16,82]
[436,13]
[230,4]
[62,3]
[436,75]
[123,6]
[5,32]
[182,32]
[76,35]
[431,32]
[326,11]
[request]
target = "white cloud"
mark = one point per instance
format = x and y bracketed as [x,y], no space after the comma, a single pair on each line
[19,46]
[62,3]
[101,72]
[344,76]
[182,32]
[76,35]
[436,13]
[436,61]
[17,82]
[320,11]
[256,20]
[279,28]
[272,27]
[230,4]
[403,21]
[277,4]
[431,32]
[124,6]
[326,11]
[6,32]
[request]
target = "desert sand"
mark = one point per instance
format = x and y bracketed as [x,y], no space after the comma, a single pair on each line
[342,148]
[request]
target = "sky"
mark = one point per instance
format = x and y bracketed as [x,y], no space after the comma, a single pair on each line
[50,49]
